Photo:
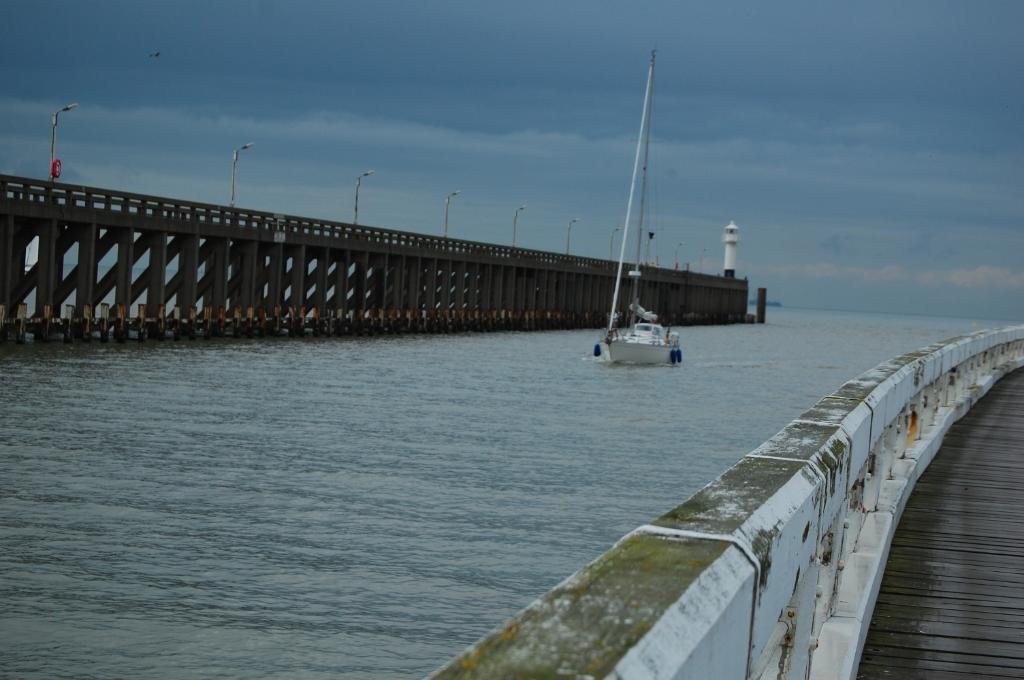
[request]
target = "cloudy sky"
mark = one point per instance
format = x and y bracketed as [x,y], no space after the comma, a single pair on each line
[872,153]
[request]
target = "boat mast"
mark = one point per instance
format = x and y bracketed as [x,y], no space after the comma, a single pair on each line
[640,145]
[643,194]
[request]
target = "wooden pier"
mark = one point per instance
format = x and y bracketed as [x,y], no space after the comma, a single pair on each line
[951,604]
[112,263]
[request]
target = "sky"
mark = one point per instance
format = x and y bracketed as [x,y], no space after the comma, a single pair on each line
[872,153]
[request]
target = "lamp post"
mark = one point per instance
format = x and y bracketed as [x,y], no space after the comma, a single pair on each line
[610,240]
[676,257]
[359,180]
[515,219]
[53,134]
[700,267]
[234,170]
[568,233]
[447,201]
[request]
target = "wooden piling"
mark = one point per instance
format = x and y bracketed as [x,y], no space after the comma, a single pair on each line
[104,322]
[20,324]
[762,301]
[160,323]
[176,322]
[121,324]
[66,331]
[86,323]
[140,311]
[44,326]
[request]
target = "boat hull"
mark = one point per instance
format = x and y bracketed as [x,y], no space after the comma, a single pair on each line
[620,352]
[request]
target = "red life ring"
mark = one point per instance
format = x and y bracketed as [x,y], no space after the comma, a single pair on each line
[55,168]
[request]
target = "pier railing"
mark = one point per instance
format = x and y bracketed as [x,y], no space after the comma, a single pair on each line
[250,223]
[772,570]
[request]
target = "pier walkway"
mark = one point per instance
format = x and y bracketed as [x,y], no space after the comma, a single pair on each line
[951,603]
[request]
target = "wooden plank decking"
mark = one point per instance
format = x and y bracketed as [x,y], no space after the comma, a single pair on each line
[951,604]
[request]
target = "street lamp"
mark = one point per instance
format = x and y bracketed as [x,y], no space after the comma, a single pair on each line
[234,170]
[53,135]
[611,239]
[568,233]
[359,180]
[676,257]
[447,200]
[515,219]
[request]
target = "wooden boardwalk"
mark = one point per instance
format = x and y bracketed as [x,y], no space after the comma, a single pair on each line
[951,604]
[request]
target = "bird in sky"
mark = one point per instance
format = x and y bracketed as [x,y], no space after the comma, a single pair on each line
[155,54]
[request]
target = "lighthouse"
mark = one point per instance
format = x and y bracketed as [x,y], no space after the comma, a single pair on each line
[730,238]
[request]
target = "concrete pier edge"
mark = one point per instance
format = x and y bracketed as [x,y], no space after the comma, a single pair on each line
[815,505]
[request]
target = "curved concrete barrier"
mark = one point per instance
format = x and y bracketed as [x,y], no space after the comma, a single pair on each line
[771,570]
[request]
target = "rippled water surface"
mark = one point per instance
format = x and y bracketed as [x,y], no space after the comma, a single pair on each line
[359,507]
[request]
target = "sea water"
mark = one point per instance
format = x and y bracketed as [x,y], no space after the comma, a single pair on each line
[360,507]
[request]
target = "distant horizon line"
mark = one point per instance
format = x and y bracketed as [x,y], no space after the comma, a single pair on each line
[915,314]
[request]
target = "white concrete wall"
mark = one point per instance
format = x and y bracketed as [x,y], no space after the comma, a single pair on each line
[812,601]
[802,526]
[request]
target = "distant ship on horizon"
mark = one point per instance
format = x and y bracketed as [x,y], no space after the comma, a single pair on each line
[768,303]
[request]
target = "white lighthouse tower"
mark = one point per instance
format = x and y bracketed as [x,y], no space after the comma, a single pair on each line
[730,238]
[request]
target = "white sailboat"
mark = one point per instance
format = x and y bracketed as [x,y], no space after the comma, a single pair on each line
[643,340]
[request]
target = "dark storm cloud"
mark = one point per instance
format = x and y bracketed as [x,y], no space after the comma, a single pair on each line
[889,133]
